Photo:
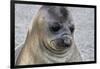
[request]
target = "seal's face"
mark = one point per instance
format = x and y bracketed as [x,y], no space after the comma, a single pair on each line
[57,29]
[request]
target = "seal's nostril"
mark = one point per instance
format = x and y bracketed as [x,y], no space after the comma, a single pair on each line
[64,35]
[67,41]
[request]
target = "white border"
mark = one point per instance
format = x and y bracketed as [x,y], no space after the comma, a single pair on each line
[5,34]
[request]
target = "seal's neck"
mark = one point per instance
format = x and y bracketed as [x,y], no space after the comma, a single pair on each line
[51,57]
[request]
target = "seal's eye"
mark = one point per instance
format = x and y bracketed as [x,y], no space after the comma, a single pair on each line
[72,28]
[55,27]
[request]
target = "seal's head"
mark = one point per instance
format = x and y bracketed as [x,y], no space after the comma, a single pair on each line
[55,28]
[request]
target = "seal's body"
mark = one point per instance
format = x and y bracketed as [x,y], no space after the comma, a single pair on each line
[50,39]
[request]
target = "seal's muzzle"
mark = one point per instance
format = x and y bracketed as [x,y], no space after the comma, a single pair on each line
[62,43]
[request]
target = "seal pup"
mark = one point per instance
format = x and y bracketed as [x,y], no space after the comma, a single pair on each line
[50,39]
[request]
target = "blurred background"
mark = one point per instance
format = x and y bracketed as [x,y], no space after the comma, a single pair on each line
[83,19]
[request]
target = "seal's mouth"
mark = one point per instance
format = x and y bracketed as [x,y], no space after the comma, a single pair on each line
[61,43]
